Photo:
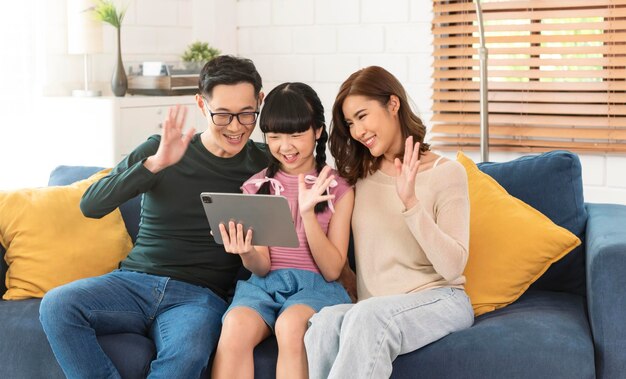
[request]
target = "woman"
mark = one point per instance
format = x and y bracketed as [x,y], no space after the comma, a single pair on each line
[411,233]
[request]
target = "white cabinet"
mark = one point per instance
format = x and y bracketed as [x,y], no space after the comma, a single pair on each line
[101,131]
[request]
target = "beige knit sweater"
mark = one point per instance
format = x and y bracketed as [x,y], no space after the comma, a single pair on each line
[401,251]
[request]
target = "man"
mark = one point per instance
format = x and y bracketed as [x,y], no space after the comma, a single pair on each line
[173,283]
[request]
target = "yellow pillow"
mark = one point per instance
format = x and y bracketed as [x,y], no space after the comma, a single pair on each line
[49,242]
[511,243]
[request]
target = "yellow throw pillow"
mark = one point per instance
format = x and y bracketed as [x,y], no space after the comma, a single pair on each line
[511,243]
[49,242]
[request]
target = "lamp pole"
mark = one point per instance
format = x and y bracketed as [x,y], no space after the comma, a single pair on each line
[484,101]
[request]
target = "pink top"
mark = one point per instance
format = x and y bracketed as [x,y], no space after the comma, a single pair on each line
[300,257]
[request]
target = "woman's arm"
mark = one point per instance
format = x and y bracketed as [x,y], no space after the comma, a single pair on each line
[445,240]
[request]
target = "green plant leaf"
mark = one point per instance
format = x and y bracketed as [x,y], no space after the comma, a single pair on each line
[199,52]
[106,11]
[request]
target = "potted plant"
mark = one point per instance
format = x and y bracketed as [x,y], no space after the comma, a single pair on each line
[107,12]
[198,54]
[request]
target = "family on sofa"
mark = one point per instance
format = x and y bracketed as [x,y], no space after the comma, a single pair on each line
[170,287]
[407,207]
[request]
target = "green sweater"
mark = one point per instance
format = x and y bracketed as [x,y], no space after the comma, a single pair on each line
[174,235]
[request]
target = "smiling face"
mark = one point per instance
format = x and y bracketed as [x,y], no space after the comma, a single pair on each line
[227,141]
[374,125]
[294,151]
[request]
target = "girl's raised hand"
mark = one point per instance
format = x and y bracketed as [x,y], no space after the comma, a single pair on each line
[235,240]
[406,171]
[173,142]
[309,197]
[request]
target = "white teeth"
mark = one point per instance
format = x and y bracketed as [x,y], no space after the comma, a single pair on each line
[369,141]
[234,138]
[290,157]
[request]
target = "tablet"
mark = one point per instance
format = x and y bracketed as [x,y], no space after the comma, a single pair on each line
[269,216]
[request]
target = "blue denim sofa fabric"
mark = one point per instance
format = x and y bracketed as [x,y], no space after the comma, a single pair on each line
[553,331]
[606,287]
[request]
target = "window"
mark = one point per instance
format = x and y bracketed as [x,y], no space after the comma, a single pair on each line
[557,75]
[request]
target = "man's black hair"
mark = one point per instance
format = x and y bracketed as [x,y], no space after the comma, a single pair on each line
[227,69]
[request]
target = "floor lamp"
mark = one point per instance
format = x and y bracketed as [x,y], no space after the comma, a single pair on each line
[84,36]
[484,101]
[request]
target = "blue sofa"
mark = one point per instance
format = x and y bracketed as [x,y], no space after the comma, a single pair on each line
[569,324]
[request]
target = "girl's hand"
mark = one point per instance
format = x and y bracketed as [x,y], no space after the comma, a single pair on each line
[309,197]
[406,171]
[235,241]
[173,142]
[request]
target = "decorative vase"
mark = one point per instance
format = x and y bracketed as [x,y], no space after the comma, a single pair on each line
[119,83]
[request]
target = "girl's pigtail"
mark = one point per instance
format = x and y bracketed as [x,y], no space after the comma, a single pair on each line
[320,162]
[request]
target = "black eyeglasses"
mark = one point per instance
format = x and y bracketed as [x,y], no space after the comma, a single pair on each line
[225,118]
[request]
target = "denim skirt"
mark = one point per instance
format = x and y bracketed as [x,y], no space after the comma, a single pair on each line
[270,295]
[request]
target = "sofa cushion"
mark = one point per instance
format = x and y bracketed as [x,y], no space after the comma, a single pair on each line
[542,335]
[29,355]
[49,242]
[552,184]
[511,244]
[64,175]
[131,353]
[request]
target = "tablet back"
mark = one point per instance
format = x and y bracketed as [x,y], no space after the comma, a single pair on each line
[269,216]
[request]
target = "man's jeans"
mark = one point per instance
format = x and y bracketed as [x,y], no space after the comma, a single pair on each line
[182,319]
[362,340]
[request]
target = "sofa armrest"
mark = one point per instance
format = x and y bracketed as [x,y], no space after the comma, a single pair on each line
[606,286]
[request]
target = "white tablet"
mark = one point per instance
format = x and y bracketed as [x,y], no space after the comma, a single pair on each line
[269,216]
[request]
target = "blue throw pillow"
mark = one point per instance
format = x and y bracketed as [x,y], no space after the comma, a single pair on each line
[551,183]
[64,175]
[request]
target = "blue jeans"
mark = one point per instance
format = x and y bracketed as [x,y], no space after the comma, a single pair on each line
[182,319]
[362,340]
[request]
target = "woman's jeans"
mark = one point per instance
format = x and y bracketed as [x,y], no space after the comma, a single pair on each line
[182,319]
[362,340]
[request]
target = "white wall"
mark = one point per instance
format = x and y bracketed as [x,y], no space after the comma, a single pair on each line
[321,42]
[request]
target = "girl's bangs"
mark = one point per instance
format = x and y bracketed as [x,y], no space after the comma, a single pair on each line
[285,112]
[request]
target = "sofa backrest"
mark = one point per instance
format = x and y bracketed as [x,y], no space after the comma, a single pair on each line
[551,183]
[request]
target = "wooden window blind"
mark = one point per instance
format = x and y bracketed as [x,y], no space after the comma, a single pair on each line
[557,75]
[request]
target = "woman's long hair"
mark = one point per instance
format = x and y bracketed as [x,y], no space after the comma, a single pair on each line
[294,108]
[353,159]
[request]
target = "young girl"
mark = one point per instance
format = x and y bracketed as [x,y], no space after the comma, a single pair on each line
[288,285]
[411,235]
